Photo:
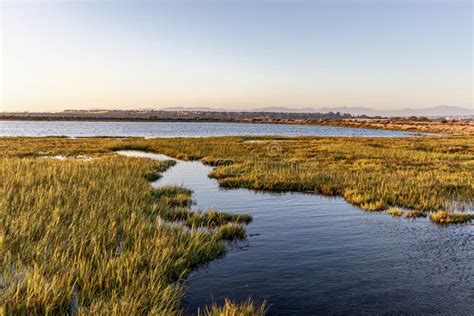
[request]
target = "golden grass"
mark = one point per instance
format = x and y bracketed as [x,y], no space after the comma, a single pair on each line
[455,127]
[395,211]
[425,174]
[443,217]
[231,308]
[86,237]
[89,236]
[422,174]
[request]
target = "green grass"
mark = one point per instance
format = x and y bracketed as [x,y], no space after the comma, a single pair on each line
[170,197]
[87,237]
[214,218]
[231,231]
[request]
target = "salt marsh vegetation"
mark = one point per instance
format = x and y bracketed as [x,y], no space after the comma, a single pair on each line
[87,237]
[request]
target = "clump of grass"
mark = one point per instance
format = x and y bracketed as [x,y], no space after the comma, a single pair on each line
[155,173]
[364,201]
[415,214]
[173,205]
[172,196]
[356,198]
[375,206]
[213,219]
[443,217]
[231,231]
[171,214]
[231,308]
[395,211]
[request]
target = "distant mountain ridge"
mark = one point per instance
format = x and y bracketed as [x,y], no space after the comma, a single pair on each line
[441,110]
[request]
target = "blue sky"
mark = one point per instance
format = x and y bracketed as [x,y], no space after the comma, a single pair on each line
[235,54]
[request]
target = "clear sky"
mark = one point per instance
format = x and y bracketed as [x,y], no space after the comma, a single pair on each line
[235,54]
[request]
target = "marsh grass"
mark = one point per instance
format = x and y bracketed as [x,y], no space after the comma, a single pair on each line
[231,231]
[172,197]
[172,204]
[230,308]
[217,161]
[155,173]
[83,237]
[414,214]
[395,211]
[364,201]
[426,174]
[213,218]
[88,236]
[442,217]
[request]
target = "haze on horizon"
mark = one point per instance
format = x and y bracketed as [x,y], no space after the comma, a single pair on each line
[235,54]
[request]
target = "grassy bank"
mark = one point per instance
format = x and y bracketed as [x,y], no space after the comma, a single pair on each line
[421,175]
[424,174]
[452,127]
[85,236]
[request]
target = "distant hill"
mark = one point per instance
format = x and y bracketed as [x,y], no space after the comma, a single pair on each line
[282,109]
[186,108]
[441,110]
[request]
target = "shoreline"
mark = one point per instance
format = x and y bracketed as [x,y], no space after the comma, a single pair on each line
[453,127]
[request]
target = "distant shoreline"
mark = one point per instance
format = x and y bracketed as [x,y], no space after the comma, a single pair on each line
[112,119]
[455,127]
[162,120]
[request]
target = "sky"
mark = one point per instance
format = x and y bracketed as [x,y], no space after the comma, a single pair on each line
[58,55]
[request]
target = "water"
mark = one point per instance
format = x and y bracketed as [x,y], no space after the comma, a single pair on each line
[308,254]
[183,129]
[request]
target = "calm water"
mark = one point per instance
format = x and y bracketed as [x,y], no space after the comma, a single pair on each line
[308,254]
[158,129]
